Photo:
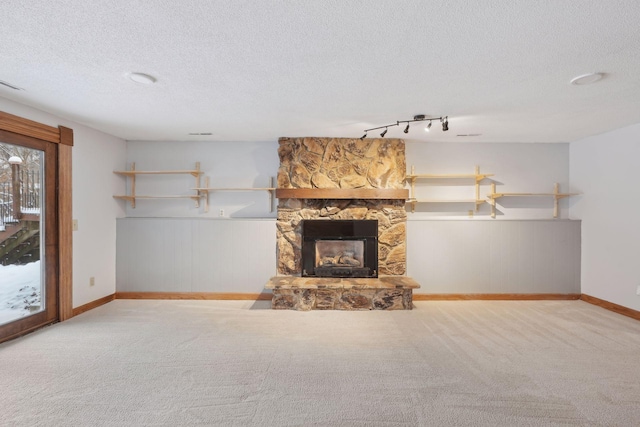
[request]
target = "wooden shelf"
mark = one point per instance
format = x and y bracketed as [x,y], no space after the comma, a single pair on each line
[132,198]
[343,193]
[476,177]
[479,202]
[557,195]
[209,189]
[193,172]
[204,191]
[131,176]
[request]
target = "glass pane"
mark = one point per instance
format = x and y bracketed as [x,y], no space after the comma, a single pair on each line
[339,253]
[21,236]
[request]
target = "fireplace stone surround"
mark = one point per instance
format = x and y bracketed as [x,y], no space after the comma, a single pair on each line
[341,179]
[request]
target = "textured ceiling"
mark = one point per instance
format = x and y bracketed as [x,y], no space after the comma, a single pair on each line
[257,70]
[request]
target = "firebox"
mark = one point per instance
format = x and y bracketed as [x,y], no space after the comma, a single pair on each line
[340,248]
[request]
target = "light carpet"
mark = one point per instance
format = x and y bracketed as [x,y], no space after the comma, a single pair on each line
[445,363]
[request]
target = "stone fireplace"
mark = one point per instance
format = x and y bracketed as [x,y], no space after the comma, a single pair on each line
[341,225]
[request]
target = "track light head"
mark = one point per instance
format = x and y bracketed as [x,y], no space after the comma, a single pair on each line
[363,136]
[445,124]
[384,132]
[406,130]
[428,128]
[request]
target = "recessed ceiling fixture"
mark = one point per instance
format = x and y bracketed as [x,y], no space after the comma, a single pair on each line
[142,78]
[200,133]
[586,79]
[417,118]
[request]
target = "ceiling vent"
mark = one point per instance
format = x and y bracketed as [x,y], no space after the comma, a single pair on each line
[9,85]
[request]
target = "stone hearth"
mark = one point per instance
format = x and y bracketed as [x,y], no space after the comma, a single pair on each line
[383,293]
[327,174]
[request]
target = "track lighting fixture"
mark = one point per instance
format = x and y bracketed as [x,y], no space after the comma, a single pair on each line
[417,118]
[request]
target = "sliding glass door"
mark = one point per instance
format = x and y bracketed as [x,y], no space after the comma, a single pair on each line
[28,237]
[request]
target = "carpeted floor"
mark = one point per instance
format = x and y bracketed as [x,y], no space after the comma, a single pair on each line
[445,363]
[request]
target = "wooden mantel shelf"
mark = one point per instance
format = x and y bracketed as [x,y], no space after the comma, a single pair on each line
[343,193]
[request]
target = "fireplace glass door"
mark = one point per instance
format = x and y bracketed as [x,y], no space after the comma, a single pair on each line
[340,257]
[340,248]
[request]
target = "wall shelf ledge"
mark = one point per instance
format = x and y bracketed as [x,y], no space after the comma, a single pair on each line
[477,177]
[557,195]
[133,173]
[204,191]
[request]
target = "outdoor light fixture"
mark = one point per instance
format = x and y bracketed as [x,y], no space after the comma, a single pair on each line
[417,118]
[15,160]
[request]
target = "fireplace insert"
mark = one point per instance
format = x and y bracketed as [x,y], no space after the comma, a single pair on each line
[340,248]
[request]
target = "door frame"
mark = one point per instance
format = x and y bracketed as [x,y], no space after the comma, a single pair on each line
[58,210]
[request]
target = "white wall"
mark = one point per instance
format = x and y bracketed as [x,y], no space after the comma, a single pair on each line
[168,245]
[494,257]
[529,253]
[195,255]
[198,251]
[518,168]
[227,164]
[95,156]
[604,168]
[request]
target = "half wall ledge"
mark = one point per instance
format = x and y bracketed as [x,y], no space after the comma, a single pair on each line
[304,293]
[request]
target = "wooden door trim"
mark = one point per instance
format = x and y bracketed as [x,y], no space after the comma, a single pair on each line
[27,127]
[65,234]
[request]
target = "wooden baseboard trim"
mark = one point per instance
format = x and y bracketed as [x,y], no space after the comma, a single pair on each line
[194,295]
[625,311]
[494,297]
[93,304]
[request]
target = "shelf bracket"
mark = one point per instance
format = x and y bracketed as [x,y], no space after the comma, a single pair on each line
[556,191]
[205,194]
[478,179]
[197,174]
[492,200]
[133,186]
[272,192]
[412,194]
